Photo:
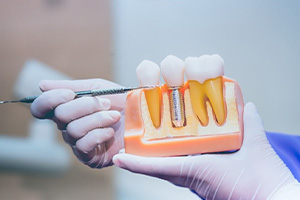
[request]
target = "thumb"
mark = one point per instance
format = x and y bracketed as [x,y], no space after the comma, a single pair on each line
[152,166]
[253,124]
[177,170]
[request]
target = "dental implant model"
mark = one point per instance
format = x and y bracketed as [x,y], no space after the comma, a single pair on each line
[172,69]
[202,115]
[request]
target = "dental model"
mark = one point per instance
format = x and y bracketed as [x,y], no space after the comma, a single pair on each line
[203,115]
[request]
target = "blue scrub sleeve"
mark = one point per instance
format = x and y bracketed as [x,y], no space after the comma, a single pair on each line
[288,149]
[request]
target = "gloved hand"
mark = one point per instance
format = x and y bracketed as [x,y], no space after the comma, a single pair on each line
[253,172]
[92,126]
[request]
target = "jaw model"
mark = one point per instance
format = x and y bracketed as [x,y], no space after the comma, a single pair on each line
[209,106]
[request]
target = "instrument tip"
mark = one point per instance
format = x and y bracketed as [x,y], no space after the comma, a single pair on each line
[3,102]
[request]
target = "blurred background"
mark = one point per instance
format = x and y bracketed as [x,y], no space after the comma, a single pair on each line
[56,39]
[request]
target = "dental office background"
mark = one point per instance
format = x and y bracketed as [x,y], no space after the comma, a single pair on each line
[64,39]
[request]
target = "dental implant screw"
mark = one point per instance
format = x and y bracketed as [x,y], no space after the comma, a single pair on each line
[177,107]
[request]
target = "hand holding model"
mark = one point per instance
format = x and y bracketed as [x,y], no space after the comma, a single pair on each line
[254,172]
[92,126]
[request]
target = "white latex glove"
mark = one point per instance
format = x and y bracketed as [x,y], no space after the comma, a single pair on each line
[93,126]
[253,172]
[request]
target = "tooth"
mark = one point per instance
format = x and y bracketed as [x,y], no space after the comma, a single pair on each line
[172,69]
[148,74]
[205,82]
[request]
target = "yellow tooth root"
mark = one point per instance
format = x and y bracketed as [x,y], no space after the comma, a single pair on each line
[153,97]
[214,91]
[198,100]
[211,90]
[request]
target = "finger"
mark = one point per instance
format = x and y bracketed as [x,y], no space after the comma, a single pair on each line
[86,145]
[78,128]
[178,170]
[43,106]
[80,107]
[253,124]
[100,159]
[117,101]
[152,166]
[252,118]
[76,85]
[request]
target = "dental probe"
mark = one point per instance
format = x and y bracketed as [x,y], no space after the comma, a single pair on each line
[100,92]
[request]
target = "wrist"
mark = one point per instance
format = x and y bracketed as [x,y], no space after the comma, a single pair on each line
[288,192]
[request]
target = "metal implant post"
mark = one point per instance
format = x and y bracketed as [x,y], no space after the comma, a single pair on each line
[177,107]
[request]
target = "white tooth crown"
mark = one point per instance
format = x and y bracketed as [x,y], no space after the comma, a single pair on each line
[204,67]
[148,73]
[172,69]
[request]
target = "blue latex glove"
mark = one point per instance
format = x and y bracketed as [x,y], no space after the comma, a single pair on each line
[288,149]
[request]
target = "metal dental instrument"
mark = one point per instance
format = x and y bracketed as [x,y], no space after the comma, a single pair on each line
[100,92]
